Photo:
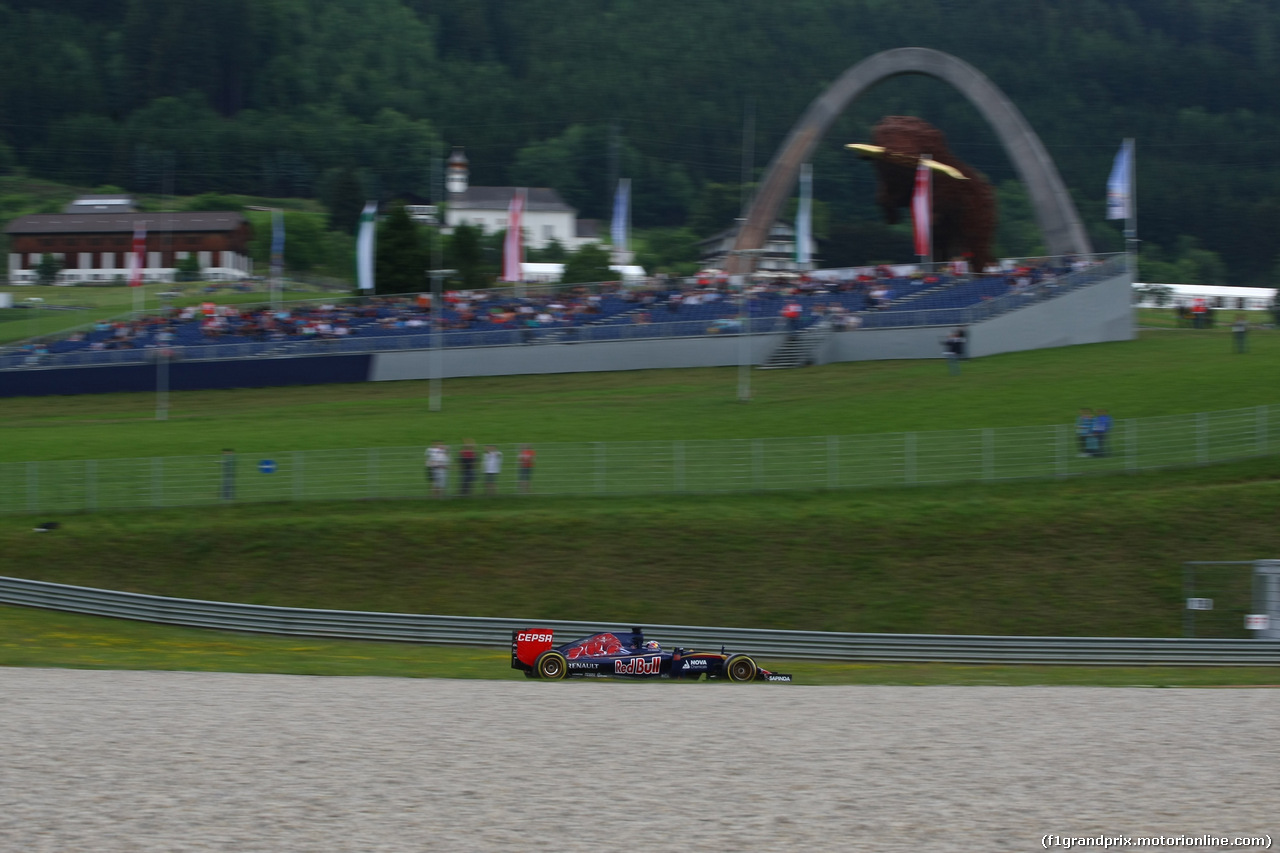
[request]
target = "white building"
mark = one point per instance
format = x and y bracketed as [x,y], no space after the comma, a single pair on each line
[779,254]
[546,217]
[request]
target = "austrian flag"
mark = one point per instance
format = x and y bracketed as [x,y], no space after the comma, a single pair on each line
[513,246]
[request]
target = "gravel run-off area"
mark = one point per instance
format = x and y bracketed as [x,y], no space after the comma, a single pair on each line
[102,761]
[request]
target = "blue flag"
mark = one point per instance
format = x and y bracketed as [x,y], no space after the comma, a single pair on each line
[1120,184]
[621,215]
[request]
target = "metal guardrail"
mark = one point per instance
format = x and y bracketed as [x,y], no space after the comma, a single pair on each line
[496,633]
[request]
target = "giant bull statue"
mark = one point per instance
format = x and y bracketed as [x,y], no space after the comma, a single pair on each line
[964,211]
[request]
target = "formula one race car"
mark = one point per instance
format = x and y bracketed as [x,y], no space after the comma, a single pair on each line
[626,654]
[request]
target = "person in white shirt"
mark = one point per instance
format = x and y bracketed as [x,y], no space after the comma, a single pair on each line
[492,468]
[437,461]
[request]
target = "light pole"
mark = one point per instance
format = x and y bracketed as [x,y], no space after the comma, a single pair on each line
[164,352]
[744,321]
[437,336]
[274,288]
[455,181]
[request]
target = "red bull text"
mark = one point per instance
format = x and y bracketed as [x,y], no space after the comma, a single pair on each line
[638,666]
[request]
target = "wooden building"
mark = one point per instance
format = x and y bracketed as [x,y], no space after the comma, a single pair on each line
[95,246]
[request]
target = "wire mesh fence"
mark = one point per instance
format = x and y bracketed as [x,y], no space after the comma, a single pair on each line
[645,467]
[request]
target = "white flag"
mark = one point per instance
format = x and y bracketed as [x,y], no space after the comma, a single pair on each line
[364,246]
[1120,184]
[804,216]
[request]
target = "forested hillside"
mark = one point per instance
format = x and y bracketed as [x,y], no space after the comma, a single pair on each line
[285,97]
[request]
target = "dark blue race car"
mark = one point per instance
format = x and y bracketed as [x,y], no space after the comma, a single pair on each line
[626,654]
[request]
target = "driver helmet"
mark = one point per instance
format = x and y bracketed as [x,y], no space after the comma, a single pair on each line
[652,646]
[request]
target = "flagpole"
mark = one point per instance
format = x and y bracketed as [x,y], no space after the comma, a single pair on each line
[1131,221]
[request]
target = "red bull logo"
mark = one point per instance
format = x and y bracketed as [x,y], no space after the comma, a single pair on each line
[638,666]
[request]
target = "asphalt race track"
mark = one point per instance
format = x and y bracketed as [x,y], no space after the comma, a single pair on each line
[152,761]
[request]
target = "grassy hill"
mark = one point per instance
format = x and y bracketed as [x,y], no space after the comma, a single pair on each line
[1085,556]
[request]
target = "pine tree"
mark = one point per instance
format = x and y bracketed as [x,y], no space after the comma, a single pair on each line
[401,262]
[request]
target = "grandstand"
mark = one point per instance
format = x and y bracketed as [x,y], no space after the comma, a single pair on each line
[479,329]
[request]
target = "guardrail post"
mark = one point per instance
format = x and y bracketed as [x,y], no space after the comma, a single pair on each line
[1202,438]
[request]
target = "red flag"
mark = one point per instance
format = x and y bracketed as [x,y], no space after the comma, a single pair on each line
[921,208]
[138,259]
[513,246]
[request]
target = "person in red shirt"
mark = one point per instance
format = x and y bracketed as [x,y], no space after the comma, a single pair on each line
[524,467]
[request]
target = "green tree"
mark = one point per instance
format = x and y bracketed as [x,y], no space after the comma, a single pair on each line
[188,269]
[671,250]
[342,192]
[589,263]
[213,201]
[47,270]
[465,254]
[401,254]
[716,209]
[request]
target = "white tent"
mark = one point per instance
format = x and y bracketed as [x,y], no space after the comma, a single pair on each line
[1217,296]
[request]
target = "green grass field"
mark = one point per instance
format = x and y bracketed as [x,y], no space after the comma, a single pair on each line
[1091,556]
[49,311]
[1163,373]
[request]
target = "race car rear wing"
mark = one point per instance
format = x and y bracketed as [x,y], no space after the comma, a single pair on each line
[527,644]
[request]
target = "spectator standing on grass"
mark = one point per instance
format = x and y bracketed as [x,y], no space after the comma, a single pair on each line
[438,468]
[953,349]
[1100,428]
[1084,430]
[1239,333]
[492,468]
[467,462]
[524,462]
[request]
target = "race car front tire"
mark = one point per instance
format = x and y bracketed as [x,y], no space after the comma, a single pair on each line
[551,665]
[740,668]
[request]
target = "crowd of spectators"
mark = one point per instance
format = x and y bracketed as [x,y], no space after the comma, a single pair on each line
[843,297]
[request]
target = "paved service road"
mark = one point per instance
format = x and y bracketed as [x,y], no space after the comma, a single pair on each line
[150,761]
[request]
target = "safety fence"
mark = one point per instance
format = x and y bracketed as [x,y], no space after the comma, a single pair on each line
[704,466]
[496,633]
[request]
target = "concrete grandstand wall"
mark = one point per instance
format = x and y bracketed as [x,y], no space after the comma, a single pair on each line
[186,376]
[1094,314]
[652,354]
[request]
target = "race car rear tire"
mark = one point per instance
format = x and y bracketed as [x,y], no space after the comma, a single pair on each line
[740,668]
[551,665]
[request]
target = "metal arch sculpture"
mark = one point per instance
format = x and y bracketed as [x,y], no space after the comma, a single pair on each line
[1054,211]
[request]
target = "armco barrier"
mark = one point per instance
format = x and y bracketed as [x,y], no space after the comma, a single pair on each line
[496,633]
